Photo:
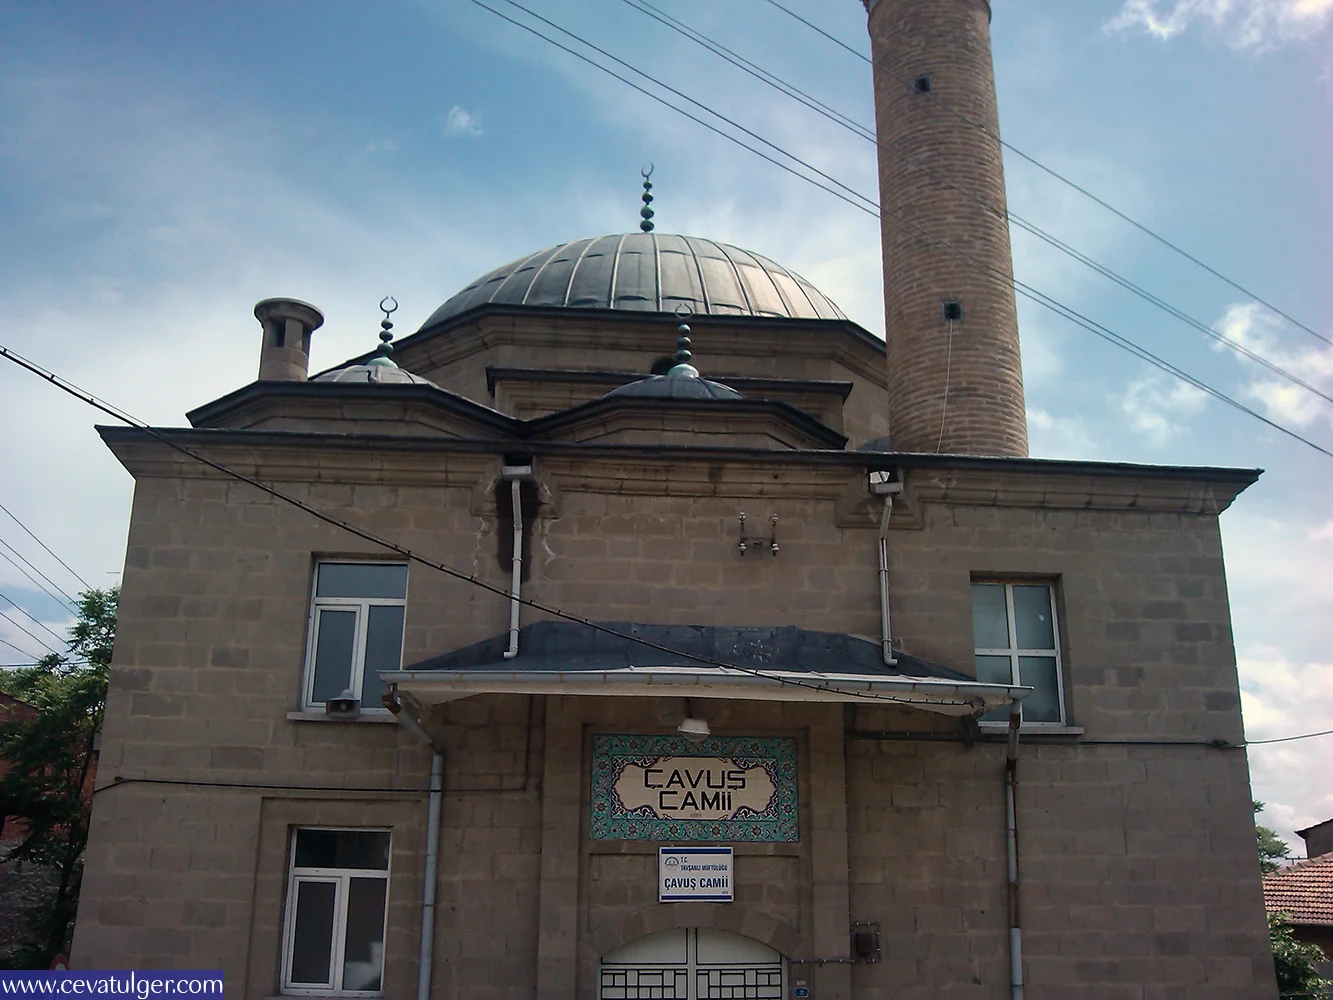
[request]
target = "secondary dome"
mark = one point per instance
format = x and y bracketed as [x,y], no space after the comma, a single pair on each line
[646,272]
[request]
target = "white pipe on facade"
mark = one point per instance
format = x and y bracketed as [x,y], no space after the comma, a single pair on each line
[516,563]
[885,628]
[1011,851]
[427,960]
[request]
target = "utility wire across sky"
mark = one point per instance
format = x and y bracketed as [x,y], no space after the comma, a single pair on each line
[1051,171]
[88,398]
[932,101]
[871,207]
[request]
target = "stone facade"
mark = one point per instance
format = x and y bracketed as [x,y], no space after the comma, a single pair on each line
[1139,875]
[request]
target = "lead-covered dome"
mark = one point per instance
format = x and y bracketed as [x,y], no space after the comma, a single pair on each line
[646,272]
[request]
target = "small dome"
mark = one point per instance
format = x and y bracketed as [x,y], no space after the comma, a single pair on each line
[377,371]
[646,272]
[680,386]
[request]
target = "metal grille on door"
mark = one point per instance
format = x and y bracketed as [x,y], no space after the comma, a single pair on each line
[695,964]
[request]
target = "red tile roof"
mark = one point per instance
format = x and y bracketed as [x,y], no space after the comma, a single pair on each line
[1305,890]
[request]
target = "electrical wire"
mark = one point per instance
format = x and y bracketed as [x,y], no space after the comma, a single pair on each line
[981,126]
[1288,739]
[12,517]
[32,579]
[111,410]
[838,118]
[870,207]
[34,638]
[870,203]
[17,649]
[33,618]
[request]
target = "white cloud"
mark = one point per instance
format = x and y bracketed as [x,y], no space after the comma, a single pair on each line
[1323,533]
[1253,327]
[1157,407]
[1283,698]
[1058,437]
[1245,24]
[461,122]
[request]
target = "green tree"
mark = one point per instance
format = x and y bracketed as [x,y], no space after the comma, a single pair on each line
[1295,962]
[49,762]
[1273,850]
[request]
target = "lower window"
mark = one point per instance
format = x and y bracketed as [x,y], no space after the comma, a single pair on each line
[337,895]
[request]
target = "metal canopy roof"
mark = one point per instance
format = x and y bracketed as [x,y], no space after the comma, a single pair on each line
[780,663]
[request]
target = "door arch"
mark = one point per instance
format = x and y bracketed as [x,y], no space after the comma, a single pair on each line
[696,963]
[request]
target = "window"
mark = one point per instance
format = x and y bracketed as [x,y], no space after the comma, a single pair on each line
[1017,641]
[356,630]
[333,938]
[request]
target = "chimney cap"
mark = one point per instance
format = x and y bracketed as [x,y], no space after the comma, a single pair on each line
[280,308]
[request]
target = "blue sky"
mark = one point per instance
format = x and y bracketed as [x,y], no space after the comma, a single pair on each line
[164,166]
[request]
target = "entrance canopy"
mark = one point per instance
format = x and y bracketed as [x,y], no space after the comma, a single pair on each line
[628,659]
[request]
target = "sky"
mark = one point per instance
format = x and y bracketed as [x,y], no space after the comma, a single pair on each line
[163,166]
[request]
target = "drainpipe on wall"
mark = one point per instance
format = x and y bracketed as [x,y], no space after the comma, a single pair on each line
[1011,850]
[426,961]
[885,626]
[515,474]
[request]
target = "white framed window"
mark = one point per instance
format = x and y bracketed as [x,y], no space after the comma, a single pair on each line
[337,896]
[1016,640]
[356,630]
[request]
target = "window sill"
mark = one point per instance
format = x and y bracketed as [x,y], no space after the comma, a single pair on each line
[311,716]
[1002,727]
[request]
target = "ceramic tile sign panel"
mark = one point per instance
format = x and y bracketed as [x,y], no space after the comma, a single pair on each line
[698,874]
[667,788]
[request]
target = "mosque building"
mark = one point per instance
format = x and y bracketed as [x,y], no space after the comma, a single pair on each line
[644,627]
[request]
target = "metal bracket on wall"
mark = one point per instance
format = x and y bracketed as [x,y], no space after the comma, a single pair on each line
[746,541]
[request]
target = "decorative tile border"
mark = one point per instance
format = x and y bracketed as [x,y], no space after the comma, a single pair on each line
[724,764]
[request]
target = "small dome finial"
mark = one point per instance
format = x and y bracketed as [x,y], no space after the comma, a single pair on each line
[388,306]
[682,367]
[646,213]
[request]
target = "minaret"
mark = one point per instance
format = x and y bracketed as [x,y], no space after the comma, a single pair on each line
[955,378]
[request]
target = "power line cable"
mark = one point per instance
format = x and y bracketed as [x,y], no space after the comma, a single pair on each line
[86,584]
[1288,739]
[870,207]
[32,617]
[683,96]
[971,123]
[838,118]
[83,395]
[34,638]
[32,579]
[88,398]
[17,649]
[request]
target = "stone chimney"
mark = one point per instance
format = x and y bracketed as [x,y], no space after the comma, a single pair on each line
[1318,839]
[955,377]
[288,323]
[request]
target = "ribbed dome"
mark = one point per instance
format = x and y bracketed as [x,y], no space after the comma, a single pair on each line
[373,372]
[646,272]
[675,387]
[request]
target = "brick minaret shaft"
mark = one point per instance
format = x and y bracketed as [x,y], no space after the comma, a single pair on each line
[943,180]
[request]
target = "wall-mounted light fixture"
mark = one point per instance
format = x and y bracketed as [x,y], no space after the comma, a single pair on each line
[746,541]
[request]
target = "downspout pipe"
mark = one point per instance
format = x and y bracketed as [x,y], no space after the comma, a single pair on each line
[426,963]
[515,474]
[885,624]
[1011,852]
[430,875]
